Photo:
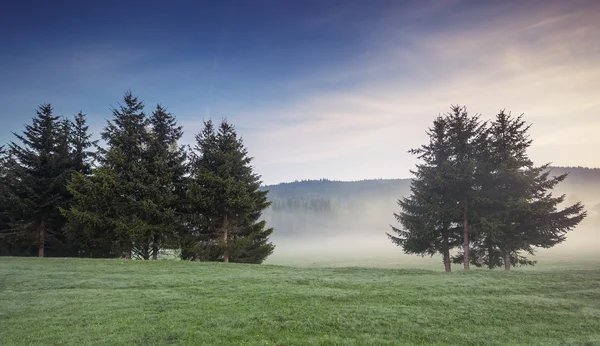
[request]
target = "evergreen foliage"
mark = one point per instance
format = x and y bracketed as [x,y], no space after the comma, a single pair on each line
[427,215]
[37,170]
[166,164]
[226,200]
[82,155]
[122,210]
[476,197]
[479,176]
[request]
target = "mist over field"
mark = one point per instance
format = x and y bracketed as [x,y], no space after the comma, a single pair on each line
[349,225]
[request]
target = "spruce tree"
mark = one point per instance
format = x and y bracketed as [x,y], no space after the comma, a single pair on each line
[466,138]
[227,201]
[38,171]
[518,211]
[122,209]
[4,201]
[427,215]
[82,145]
[166,162]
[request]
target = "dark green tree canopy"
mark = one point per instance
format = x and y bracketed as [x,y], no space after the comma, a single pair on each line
[227,199]
[35,185]
[477,175]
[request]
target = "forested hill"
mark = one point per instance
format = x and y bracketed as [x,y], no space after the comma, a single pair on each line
[339,207]
[338,190]
[345,191]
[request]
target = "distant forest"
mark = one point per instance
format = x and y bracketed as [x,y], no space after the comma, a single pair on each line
[328,196]
[316,207]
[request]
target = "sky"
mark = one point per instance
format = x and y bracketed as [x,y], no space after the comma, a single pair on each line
[317,89]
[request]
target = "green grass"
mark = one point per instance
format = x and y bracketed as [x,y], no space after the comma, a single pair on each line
[114,302]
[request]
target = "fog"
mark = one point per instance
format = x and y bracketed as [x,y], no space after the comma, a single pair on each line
[357,237]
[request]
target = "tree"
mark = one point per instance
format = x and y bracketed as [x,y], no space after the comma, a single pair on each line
[4,200]
[426,215]
[94,220]
[504,188]
[520,211]
[480,177]
[82,156]
[466,138]
[166,163]
[35,186]
[122,209]
[226,200]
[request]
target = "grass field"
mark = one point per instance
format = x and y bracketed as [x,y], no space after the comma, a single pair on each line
[115,302]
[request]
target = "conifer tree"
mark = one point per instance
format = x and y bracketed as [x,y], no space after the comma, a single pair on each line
[520,212]
[426,215]
[4,201]
[37,177]
[224,192]
[82,155]
[480,178]
[122,209]
[166,162]
[466,140]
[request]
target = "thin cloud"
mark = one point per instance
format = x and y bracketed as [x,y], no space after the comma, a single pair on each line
[547,70]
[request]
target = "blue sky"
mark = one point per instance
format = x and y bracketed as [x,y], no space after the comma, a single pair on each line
[335,89]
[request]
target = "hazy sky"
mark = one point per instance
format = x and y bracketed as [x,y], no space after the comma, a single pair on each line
[335,89]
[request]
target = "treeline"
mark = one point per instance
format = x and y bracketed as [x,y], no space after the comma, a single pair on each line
[61,194]
[477,193]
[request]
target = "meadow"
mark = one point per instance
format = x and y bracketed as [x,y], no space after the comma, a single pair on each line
[116,302]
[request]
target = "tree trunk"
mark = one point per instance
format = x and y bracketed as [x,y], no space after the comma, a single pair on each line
[466,239]
[155,247]
[446,251]
[225,234]
[507,260]
[490,254]
[128,250]
[42,239]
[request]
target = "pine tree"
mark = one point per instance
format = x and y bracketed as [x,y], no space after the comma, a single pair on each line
[38,170]
[227,200]
[466,140]
[519,212]
[93,216]
[4,201]
[122,209]
[167,166]
[82,155]
[426,215]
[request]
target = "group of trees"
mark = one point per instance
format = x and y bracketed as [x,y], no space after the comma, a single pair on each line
[477,194]
[64,195]
[476,198]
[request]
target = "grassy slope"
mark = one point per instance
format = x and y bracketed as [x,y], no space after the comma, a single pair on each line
[113,302]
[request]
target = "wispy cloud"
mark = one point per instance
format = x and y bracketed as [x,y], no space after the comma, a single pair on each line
[349,107]
[543,63]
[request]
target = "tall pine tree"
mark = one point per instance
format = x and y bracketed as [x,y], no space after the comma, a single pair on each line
[466,139]
[39,169]
[426,216]
[114,203]
[518,211]
[166,163]
[227,201]
[82,145]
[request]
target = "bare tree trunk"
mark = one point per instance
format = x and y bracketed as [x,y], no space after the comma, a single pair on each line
[155,247]
[446,253]
[466,239]
[490,253]
[42,239]
[507,260]
[128,250]
[225,234]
